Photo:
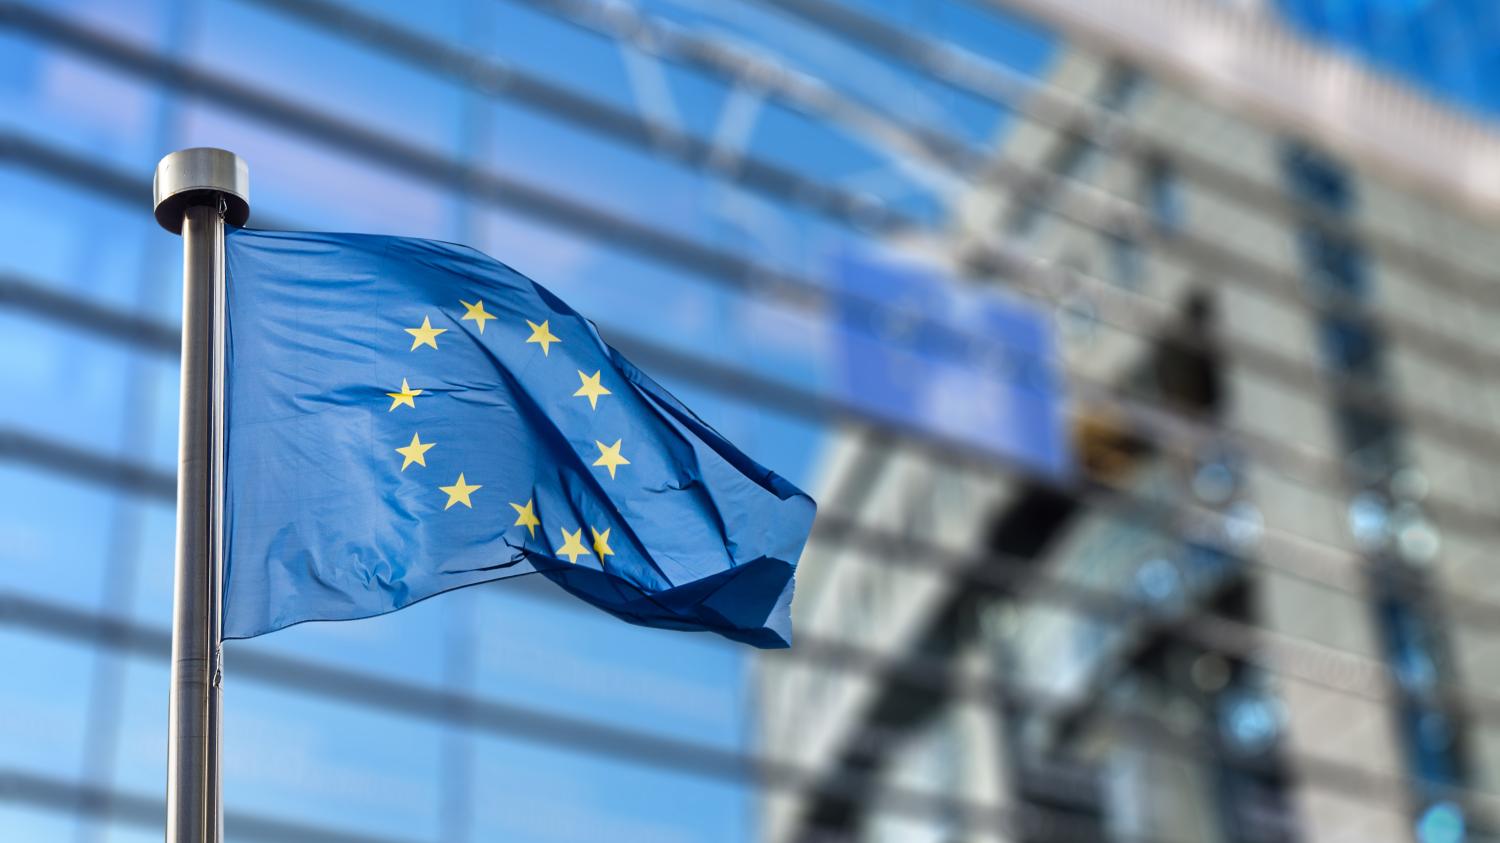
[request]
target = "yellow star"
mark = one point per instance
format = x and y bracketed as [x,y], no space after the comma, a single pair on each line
[476,312]
[573,546]
[541,334]
[425,335]
[459,492]
[601,543]
[610,457]
[592,389]
[526,517]
[416,452]
[405,396]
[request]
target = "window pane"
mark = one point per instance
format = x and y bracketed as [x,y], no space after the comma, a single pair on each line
[55,535]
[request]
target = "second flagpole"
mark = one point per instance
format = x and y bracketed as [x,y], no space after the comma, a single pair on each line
[195,193]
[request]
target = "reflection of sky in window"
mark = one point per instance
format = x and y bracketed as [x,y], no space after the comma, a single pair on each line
[564,54]
[157,397]
[50,542]
[542,151]
[35,824]
[566,798]
[141,22]
[293,756]
[75,103]
[141,754]
[916,98]
[1441,822]
[451,21]
[39,356]
[772,438]
[314,759]
[643,187]
[1250,720]
[592,667]
[293,178]
[336,75]
[156,537]
[1002,39]
[81,243]
[43,695]
[819,152]
[627,295]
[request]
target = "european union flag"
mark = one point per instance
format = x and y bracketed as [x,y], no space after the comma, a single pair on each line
[406,417]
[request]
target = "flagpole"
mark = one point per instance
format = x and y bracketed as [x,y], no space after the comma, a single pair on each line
[195,192]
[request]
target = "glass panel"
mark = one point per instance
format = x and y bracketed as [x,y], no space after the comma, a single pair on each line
[81,106]
[43,696]
[304,184]
[333,75]
[29,822]
[590,666]
[141,22]
[304,758]
[84,243]
[1163,194]
[55,535]
[1316,178]
[72,387]
[579,797]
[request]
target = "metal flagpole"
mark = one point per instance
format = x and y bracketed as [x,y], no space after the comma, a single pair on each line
[196,191]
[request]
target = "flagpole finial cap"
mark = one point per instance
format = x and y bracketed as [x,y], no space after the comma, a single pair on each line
[201,175]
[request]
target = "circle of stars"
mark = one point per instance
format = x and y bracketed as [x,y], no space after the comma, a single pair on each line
[461,491]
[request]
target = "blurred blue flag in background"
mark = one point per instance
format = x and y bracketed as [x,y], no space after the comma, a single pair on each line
[406,417]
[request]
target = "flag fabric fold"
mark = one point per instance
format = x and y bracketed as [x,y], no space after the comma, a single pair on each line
[406,417]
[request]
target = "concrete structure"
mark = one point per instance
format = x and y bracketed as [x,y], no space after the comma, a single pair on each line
[1286,409]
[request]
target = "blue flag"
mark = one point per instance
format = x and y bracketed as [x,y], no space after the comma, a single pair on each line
[406,417]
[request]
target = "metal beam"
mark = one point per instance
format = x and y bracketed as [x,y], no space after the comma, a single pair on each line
[1047,106]
[1138,318]
[369,690]
[742,275]
[723,267]
[971,571]
[163,339]
[1251,64]
[111,805]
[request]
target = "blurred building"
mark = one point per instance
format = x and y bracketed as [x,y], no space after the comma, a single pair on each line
[1261,608]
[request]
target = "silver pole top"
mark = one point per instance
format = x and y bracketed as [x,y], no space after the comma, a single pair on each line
[200,176]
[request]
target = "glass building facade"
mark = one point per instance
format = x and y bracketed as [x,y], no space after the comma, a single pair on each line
[1260,613]
[1260,606]
[661,198]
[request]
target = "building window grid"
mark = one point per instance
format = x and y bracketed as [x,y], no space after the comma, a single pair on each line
[1078,152]
[1374,347]
[99,765]
[1409,628]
